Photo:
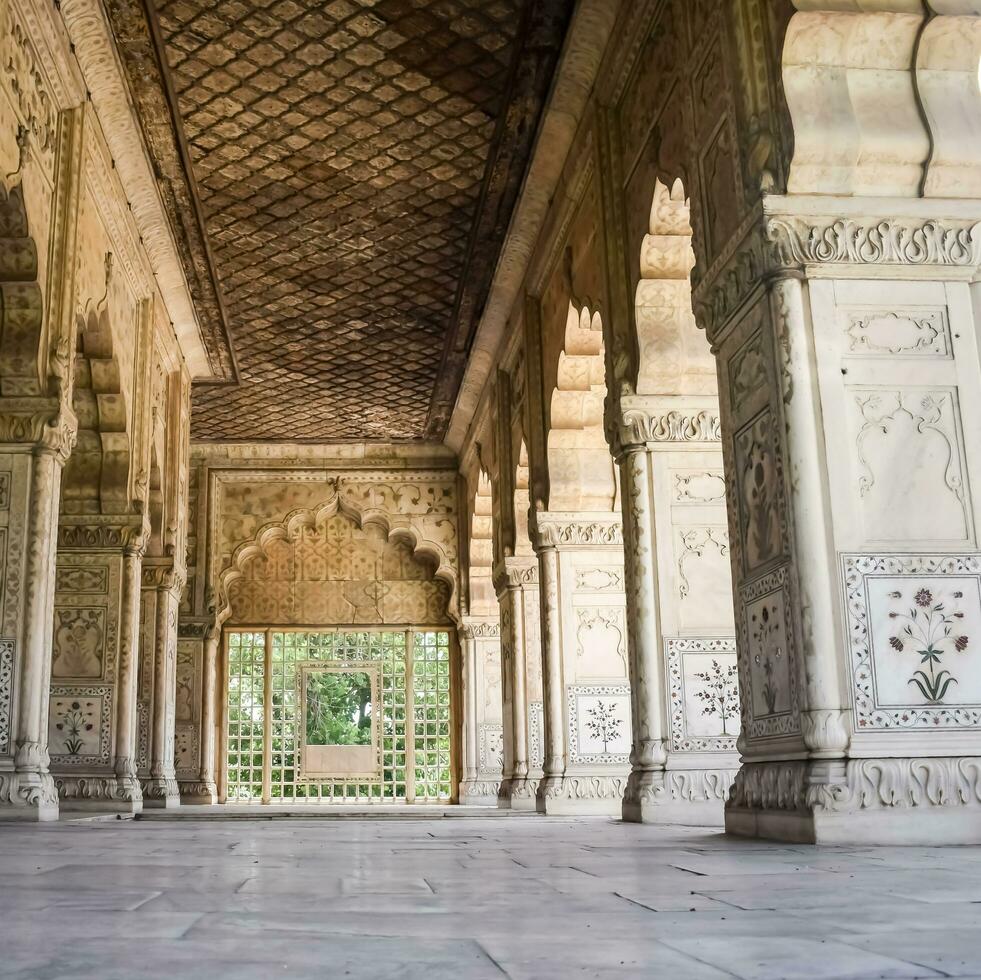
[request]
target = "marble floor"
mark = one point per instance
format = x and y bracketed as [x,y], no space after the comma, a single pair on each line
[520,897]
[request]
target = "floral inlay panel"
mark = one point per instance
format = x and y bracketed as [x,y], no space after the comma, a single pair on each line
[490,749]
[915,635]
[79,721]
[704,689]
[599,724]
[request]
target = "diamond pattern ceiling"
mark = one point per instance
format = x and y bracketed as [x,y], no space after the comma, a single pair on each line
[341,152]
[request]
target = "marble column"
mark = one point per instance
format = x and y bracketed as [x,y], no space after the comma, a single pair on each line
[584,663]
[31,476]
[850,390]
[198,656]
[516,580]
[160,789]
[483,746]
[684,695]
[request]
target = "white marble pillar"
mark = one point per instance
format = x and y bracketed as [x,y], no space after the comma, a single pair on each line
[483,710]
[517,584]
[850,394]
[161,789]
[33,480]
[684,695]
[209,716]
[584,662]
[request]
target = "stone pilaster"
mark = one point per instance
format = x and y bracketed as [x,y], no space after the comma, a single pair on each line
[516,581]
[684,693]
[483,731]
[35,446]
[162,587]
[584,662]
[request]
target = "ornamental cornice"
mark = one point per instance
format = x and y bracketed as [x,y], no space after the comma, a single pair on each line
[819,236]
[515,572]
[194,629]
[162,574]
[578,530]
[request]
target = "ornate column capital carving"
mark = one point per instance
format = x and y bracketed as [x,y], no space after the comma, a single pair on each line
[42,424]
[515,572]
[476,628]
[556,530]
[90,532]
[161,573]
[642,421]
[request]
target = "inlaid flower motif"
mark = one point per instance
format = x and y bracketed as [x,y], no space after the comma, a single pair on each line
[929,631]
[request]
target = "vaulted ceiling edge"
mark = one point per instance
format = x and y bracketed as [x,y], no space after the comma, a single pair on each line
[141,53]
[339,176]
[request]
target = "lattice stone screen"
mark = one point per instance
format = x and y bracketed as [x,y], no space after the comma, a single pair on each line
[409,704]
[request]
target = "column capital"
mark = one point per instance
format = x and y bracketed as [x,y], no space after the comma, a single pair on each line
[163,574]
[514,572]
[601,529]
[480,627]
[642,421]
[41,424]
[92,532]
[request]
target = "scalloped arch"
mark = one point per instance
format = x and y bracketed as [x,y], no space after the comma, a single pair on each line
[397,529]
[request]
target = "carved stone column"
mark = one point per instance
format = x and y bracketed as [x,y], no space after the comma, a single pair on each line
[516,580]
[93,700]
[29,489]
[684,694]
[163,585]
[850,388]
[483,746]
[198,711]
[584,662]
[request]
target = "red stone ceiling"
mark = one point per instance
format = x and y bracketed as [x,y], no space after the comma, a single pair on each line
[352,165]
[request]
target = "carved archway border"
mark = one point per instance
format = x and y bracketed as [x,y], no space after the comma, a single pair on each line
[396,529]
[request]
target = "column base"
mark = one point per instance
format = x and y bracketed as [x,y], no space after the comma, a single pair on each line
[859,801]
[689,797]
[28,796]
[161,792]
[504,794]
[523,794]
[581,794]
[100,793]
[479,792]
[198,792]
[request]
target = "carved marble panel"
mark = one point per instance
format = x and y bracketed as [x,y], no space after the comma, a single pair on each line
[4,491]
[698,486]
[908,450]
[186,750]
[703,576]
[599,724]
[897,333]
[536,734]
[600,579]
[79,725]
[915,640]
[767,659]
[704,691]
[760,492]
[79,642]
[601,641]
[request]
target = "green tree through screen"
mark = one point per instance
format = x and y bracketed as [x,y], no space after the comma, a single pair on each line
[338,708]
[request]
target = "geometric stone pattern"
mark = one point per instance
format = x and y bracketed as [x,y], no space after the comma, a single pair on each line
[339,152]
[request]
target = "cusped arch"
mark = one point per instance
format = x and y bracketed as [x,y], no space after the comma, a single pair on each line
[97,476]
[396,530]
[674,356]
[21,302]
[483,600]
[580,467]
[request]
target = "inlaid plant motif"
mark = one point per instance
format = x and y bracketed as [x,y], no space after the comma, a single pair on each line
[765,628]
[931,631]
[720,695]
[604,723]
[73,724]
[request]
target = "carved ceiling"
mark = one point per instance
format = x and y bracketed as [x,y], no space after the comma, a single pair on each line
[339,174]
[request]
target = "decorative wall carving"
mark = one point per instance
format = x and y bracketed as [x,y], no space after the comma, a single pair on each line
[79,648]
[898,332]
[79,724]
[601,641]
[6,692]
